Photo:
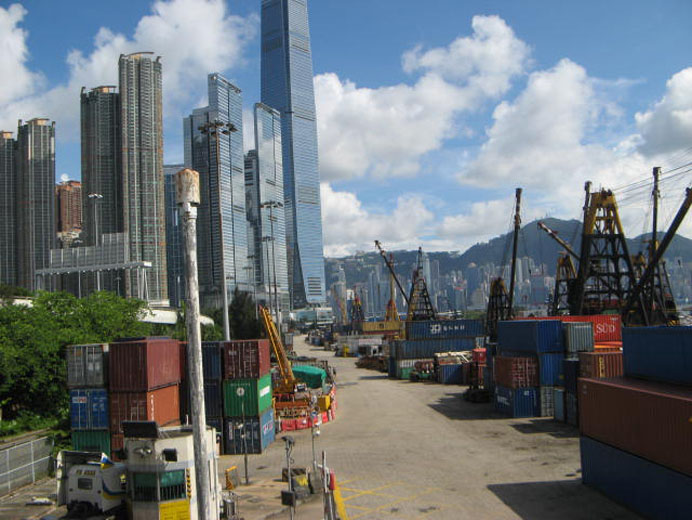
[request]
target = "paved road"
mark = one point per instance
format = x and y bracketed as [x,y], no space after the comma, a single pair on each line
[406,450]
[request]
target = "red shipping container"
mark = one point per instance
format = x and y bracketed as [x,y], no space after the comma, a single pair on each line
[599,365]
[606,327]
[478,355]
[246,359]
[650,420]
[117,443]
[143,365]
[161,405]
[516,372]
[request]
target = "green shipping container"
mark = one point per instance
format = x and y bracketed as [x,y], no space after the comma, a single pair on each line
[257,396]
[92,440]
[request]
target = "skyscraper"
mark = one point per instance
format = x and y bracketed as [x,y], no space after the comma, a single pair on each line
[8,209]
[101,160]
[214,147]
[142,170]
[287,85]
[264,183]
[36,227]
[68,197]
[175,260]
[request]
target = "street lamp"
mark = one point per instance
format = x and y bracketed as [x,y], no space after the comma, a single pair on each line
[266,239]
[94,198]
[271,204]
[213,129]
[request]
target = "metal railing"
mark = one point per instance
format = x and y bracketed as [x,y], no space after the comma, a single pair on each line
[24,463]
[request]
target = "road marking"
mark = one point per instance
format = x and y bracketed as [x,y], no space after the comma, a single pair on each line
[390,504]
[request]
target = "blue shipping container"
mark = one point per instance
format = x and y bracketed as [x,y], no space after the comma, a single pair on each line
[532,336]
[570,369]
[212,364]
[550,369]
[651,490]
[436,329]
[259,433]
[213,398]
[658,353]
[427,348]
[518,402]
[89,409]
[392,367]
[449,374]
[488,381]
[559,404]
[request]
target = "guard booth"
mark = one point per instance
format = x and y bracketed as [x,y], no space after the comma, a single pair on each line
[161,472]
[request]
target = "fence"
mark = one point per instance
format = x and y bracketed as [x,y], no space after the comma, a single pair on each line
[24,463]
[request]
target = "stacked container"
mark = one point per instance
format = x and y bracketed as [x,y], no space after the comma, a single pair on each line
[247,396]
[530,355]
[87,379]
[636,445]
[579,338]
[144,381]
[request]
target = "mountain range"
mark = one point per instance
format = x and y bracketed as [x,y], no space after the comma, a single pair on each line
[533,243]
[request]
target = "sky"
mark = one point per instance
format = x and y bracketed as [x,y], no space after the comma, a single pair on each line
[429,114]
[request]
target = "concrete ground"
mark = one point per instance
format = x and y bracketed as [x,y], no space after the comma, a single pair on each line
[405,450]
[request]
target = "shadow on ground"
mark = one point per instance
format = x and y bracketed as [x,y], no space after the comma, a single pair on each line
[549,426]
[453,406]
[374,376]
[563,499]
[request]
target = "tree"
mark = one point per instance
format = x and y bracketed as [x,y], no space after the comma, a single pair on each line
[242,317]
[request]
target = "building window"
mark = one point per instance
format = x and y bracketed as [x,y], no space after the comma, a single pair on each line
[144,487]
[173,485]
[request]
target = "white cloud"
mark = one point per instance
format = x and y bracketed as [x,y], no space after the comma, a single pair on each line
[348,227]
[385,131]
[172,30]
[18,79]
[668,125]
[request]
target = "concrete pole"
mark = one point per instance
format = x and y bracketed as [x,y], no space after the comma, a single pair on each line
[187,193]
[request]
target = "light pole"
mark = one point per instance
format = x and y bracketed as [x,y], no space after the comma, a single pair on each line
[94,198]
[251,258]
[271,204]
[289,442]
[212,129]
[267,239]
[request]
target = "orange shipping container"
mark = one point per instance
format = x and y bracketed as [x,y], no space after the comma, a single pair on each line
[161,405]
[599,365]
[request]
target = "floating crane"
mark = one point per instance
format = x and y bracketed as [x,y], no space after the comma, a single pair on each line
[420,306]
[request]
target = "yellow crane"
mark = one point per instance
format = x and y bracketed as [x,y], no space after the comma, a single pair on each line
[288,380]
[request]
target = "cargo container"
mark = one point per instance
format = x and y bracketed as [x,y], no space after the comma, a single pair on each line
[547,401]
[213,398]
[404,366]
[87,366]
[600,364]
[447,329]
[571,409]
[450,374]
[89,409]
[651,420]
[98,441]
[256,398]
[488,381]
[212,360]
[314,377]
[649,489]
[259,433]
[530,336]
[161,405]
[559,404]
[428,348]
[479,355]
[391,372]
[246,359]
[578,337]
[550,368]
[606,327]
[658,353]
[570,371]
[518,402]
[516,372]
[144,365]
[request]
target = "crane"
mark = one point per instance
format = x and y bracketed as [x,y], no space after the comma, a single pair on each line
[288,382]
[420,306]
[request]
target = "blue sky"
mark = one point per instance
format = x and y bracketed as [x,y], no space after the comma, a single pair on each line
[429,113]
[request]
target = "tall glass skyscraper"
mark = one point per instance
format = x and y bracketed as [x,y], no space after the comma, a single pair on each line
[175,259]
[8,209]
[36,224]
[264,184]
[217,154]
[287,85]
[142,170]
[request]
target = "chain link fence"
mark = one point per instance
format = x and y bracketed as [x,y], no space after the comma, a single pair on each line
[25,463]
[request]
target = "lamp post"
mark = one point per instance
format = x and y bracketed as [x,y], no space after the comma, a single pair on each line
[267,239]
[213,129]
[251,258]
[271,204]
[94,198]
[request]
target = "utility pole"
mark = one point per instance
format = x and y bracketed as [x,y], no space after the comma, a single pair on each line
[94,198]
[271,204]
[187,195]
[517,228]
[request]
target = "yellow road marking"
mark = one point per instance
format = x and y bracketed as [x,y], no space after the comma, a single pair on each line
[403,499]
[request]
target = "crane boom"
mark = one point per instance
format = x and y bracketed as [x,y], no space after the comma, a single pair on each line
[389,265]
[553,234]
[288,380]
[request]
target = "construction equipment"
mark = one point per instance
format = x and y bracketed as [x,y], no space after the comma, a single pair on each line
[357,315]
[390,265]
[422,371]
[420,307]
[500,302]
[287,383]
